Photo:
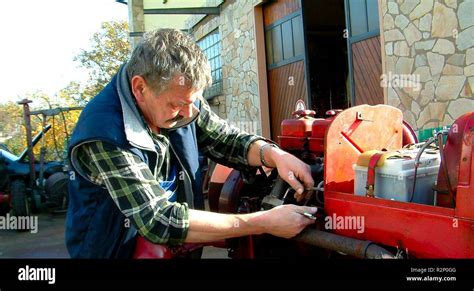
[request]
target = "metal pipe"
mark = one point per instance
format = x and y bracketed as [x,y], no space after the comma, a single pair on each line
[338,243]
[42,156]
[29,142]
[279,188]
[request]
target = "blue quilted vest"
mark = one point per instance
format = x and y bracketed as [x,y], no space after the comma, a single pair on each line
[95,227]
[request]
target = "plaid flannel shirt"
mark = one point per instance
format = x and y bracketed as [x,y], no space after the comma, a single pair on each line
[136,190]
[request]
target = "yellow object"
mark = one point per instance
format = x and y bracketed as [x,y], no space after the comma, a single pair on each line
[364,158]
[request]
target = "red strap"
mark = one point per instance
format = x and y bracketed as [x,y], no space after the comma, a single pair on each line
[371,174]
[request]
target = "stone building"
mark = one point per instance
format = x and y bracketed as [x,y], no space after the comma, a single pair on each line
[435,40]
[237,97]
[417,55]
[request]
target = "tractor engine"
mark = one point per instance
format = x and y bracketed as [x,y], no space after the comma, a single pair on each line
[367,164]
[303,136]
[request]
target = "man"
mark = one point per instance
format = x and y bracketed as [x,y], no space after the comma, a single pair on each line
[134,159]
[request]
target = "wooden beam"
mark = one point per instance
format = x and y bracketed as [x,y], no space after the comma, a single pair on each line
[194,10]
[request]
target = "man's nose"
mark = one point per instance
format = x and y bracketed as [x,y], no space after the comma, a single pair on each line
[187,111]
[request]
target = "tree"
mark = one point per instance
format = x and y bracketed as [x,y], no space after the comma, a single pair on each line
[11,117]
[14,131]
[109,49]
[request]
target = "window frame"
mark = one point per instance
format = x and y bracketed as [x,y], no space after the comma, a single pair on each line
[211,45]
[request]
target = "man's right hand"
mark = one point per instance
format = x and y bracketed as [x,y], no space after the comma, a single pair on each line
[284,221]
[287,220]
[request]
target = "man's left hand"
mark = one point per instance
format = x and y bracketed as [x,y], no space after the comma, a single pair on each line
[294,171]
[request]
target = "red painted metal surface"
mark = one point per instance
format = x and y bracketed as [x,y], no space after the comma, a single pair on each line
[299,126]
[458,137]
[316,141]
[465,188]
[354,131]
[217,180]
[423,231]
[304,132]
[295,131]
[409,135]
[230,193]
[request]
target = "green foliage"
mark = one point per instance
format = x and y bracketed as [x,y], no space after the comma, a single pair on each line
[11,117]
[14,131]
[109,49]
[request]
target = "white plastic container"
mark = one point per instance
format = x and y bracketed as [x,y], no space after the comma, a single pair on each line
[394,180]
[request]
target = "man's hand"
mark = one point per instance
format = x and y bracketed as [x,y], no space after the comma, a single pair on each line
[284,221]
[291,169]
[288,220]
[294,171]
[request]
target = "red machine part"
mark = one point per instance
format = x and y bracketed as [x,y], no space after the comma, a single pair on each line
[448,180]
[354,131]
[465,181]
[218,178]
[299,126]
[295,131]
[409,135]
[307,133]
[316,141]
[423,231]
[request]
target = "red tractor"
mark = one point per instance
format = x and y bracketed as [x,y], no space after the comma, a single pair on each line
[380,193]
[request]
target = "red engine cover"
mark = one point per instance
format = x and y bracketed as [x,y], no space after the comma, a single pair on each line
[304,132]
[296,130]
[299,126]
[316,141]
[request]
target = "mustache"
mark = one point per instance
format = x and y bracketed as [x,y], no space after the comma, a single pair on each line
[175,119]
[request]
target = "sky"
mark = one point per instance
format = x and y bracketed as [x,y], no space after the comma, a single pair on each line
[39,40]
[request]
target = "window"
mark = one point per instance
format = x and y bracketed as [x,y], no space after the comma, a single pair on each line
[364,16]
[285,41]
[211,45]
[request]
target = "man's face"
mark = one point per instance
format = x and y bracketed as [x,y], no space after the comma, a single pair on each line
[164,110]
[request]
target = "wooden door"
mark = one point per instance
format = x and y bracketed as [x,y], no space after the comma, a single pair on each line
[285,51]
[365,61]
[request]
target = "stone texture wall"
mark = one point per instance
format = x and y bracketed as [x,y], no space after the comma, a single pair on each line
[239,103]
[434,41]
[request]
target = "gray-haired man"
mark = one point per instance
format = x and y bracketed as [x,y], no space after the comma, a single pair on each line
[134,154]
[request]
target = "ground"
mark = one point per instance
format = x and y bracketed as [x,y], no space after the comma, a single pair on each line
[48,242]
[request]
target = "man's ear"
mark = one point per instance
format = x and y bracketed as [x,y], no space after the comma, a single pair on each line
[138,87]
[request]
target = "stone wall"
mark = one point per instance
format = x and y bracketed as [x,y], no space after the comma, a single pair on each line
[239,103]
[433,41]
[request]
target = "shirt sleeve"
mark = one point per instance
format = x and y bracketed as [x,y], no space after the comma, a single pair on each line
[135,191]
[222,142]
